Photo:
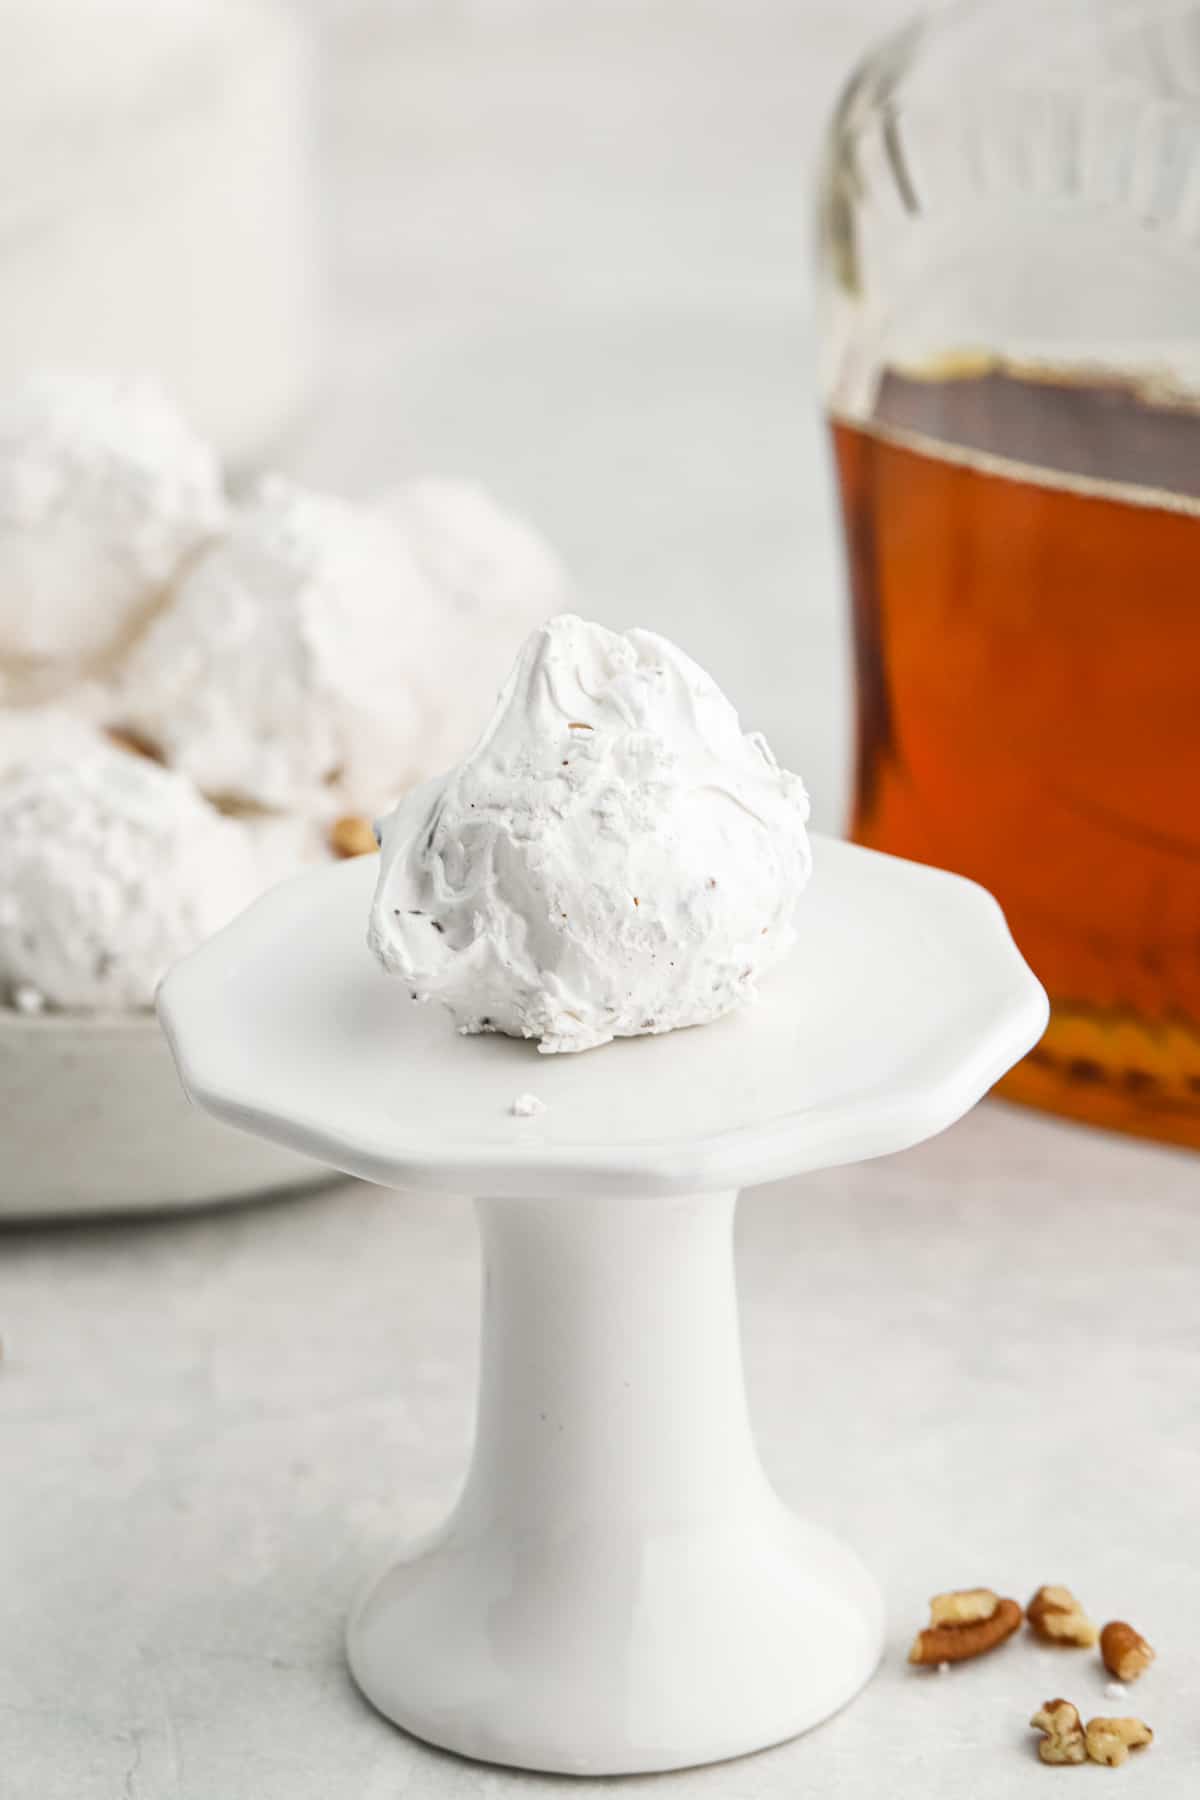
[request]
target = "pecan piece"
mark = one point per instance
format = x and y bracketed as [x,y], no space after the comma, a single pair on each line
[352,835]
[1125,1651]
[124,737]
[963,1607]
[1057,1617]
[956,1643]
[1110,1740]
[1063,1741]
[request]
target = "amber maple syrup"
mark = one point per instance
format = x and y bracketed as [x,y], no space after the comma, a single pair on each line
[1025,561]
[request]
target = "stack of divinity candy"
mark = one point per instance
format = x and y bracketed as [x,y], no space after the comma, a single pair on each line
[199,694]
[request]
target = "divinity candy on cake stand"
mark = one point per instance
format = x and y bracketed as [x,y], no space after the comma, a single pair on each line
[618,1588]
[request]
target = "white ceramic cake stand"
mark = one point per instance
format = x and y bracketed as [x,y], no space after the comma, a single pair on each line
[618,1588]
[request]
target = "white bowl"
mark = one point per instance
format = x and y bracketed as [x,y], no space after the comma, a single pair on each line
[93,1120]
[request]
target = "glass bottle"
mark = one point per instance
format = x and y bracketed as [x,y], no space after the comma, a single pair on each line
[1010,251]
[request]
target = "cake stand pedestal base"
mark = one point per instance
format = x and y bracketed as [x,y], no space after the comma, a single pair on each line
[618,1589]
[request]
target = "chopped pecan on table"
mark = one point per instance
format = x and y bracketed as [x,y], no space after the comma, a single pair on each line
[1125,1652]
[963,1624]
[963,1607]
[1110,1740]
[1063,1741]
[1056,1616]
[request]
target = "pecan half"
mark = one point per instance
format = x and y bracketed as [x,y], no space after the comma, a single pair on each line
[956,1643]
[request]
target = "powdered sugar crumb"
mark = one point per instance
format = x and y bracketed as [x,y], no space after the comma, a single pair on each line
[527,1106]
[1115,1690]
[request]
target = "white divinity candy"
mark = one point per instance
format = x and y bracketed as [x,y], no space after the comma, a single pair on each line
[293,660]
[33,736]
[104,492]
[614,857]
[111,869]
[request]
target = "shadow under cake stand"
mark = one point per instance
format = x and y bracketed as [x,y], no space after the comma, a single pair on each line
[618,1589]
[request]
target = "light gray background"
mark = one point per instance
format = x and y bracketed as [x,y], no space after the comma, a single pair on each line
[573,255]
[572,258]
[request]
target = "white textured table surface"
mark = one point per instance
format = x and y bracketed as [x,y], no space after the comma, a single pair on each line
[978,1361]
[572,259]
